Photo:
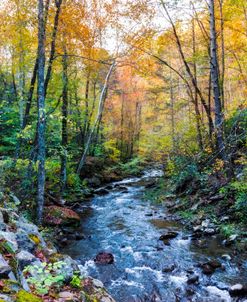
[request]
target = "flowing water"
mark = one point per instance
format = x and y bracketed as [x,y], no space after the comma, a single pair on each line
[129,227]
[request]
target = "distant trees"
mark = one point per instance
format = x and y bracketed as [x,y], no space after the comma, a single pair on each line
[170,90]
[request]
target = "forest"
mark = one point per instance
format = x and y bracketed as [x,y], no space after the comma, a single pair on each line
[119,116]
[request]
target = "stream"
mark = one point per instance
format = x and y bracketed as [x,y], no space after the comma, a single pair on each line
[121,222]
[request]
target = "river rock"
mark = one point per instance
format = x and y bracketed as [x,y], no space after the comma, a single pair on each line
[104,258]
[169,268]
[168,235]
[219,295]
[209,267]
[5,269]
[194,279]
[101,191]
[226,257]
[230,240]
[238,290]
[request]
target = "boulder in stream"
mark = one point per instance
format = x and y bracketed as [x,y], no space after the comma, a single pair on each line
[104,258]
[168,235]
[238,290]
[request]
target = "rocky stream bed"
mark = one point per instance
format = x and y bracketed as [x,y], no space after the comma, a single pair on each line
[146,254]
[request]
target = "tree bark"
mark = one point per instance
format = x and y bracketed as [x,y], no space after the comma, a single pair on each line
[53,44]
[222,34]
[41,112]
[34,76]
[196,105]
[63,173]
[214,67]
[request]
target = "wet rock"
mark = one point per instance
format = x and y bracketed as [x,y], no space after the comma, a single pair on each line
[109,187]
[232,239]
[168,235]
[214,263]
[24,259]
[150,184]
[210,231]
[121,188]
[218,294]
[209,267]
[5,269]
[104,258]
[190,291]
[169,268]
[226,257]
[101,191]
[194,279]
[238,290]
[55,215]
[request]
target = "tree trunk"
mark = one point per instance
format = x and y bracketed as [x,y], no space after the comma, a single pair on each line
[100,110]
[222,78]
[63,173]
[41,112]
[188,69]
[34,75]
[196,105]
[214,67]
[53,44]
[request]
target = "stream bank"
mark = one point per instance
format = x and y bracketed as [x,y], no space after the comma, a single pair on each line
[156,258]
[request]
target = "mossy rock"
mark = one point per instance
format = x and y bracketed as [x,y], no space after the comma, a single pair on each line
[5,247]
[23,296]
[54,215]
[55,257]
[9,287]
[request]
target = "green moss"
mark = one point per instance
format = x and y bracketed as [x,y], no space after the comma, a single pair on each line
[5,247]
[34,238]
[23,296]
[9,286]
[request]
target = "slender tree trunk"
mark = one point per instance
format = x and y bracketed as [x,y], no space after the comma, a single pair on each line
[100,110]
[63,174]
[93,107]
[34,76]
[41,112]
[196,105]
[122,127]
[188,69]
[86,118]
[219,119]
[222,34]
[53,44]
[172,114]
